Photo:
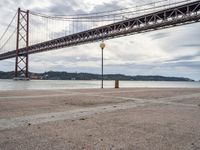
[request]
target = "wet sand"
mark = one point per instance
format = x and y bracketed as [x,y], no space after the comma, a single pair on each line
[127,118]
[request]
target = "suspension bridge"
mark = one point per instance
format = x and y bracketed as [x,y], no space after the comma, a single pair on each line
[30,32]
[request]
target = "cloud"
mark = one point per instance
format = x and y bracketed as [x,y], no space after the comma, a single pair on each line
[63,7]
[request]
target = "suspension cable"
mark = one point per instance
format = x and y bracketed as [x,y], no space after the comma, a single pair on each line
[97,13]
[8,27]
[8,39]
[105,14]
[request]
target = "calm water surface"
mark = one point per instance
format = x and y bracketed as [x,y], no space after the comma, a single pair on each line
[75,84]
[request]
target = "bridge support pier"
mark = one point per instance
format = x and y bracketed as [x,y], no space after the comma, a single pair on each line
[22,40]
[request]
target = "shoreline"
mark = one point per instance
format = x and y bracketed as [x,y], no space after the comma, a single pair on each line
[88,84]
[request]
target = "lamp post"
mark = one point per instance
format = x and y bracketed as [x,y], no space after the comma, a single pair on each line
[102,46]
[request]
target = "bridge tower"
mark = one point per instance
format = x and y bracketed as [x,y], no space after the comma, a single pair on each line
[22,41]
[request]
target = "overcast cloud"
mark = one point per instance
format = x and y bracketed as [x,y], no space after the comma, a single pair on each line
[168,52]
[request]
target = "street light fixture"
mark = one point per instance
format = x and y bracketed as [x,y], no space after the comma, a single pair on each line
[102,46]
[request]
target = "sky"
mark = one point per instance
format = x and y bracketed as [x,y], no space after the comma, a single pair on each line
[167,52]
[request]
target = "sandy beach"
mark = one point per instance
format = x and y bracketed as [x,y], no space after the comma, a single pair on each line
[125,118]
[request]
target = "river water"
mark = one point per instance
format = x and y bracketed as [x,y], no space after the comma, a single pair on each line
[76,84]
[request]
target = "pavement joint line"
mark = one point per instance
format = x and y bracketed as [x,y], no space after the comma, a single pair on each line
[67,115]
[181,97]
[81,112]
[158,101]
[74,114]
[115,92]
[97,94]
[42,96]
[53,95]
[37,96]
[63,94]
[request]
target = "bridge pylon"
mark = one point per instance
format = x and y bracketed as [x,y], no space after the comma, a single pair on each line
[22,40]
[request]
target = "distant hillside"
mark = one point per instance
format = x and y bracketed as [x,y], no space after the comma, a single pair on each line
[6,75]
[52,75]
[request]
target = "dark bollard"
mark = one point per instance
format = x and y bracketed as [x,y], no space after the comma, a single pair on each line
[116,84]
